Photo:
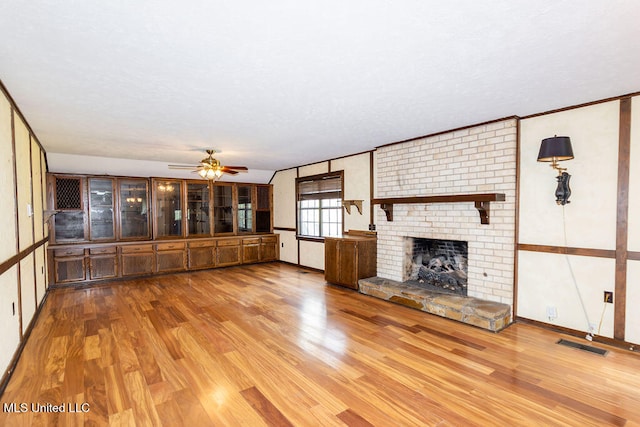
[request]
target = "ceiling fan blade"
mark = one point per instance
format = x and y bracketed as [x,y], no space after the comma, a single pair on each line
[238,168]
[229,171]
[181,166]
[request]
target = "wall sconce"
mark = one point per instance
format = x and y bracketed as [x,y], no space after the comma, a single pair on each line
[554,150]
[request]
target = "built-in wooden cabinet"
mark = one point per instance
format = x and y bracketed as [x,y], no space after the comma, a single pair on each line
[107,227]
[348,259]
[105,209]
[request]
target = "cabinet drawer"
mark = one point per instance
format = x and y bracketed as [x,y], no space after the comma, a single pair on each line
[269,239]
[69,252]
[136,248]
[205,244]
[229,242]
[105,250]
[251,241]
[170,246]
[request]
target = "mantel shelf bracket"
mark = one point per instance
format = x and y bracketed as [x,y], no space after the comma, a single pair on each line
[483,210]
[348,203]
[388,210]
[482,202]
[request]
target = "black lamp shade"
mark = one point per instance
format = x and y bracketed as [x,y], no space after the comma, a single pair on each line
[555,148]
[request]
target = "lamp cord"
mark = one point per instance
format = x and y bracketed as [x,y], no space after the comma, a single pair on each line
[573,277]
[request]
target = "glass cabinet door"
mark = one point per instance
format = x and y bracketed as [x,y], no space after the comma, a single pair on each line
[263,209]
[198,222]
[222,208]
[134,218]
[245,209]
[101,209]
[168,209]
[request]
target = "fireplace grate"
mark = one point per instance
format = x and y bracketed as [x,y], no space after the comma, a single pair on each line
[584,347]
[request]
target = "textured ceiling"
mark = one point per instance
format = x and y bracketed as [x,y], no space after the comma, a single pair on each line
[277,84]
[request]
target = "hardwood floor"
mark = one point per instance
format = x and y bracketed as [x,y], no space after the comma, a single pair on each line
[272,344]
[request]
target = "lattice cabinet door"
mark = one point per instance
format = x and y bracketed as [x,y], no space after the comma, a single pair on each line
[69,201]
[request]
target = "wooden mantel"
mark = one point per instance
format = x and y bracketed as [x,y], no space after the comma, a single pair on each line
[482,202]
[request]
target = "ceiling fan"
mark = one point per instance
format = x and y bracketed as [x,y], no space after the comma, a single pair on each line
[210,167]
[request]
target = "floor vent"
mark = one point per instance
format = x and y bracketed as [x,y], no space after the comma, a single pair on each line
[584,347]
[303,272]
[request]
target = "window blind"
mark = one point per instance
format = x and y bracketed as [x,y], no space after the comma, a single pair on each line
[329,187]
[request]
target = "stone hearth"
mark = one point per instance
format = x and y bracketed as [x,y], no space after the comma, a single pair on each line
[490,315]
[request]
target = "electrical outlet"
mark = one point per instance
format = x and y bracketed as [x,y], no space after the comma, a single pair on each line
[552,313]
[608,297]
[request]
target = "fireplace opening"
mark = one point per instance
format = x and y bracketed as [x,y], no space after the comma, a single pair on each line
[437,265]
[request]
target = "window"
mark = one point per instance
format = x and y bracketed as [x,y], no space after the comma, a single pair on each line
[320,205]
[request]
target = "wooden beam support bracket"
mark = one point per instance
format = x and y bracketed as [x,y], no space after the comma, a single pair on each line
[482,202]
[483,210]
[348,203]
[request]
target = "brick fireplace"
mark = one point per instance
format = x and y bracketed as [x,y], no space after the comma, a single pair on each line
[479,159]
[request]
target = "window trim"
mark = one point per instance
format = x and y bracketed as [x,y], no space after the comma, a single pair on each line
[333,174]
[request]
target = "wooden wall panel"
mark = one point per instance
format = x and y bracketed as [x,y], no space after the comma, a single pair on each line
[9,317]
[27,290]
[7,191]
[23,181]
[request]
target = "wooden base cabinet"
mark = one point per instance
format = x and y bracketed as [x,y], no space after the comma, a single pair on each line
[170,257]
[137,260]
[103,263]
[348,259]
[202,254]
[250,250]
[76,263]
[228,252]
[269,248]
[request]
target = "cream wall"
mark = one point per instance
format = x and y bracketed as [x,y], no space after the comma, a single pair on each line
[357,177]
[22,175]
[548,280]
[356,185]
[591,215]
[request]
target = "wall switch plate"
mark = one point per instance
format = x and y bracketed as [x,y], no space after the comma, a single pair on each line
[608,297]
[29,209]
